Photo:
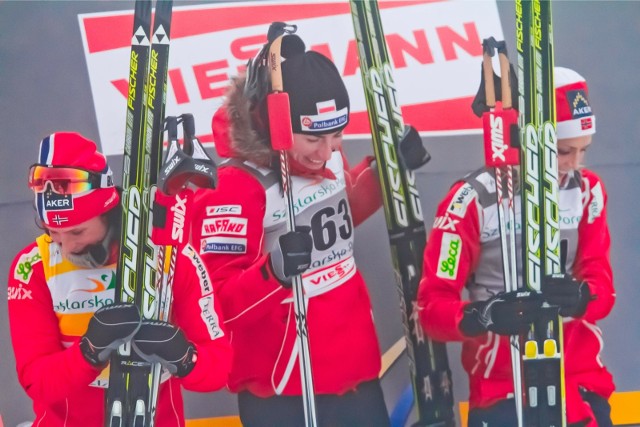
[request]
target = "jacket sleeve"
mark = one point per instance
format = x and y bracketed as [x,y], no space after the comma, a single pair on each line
[592,263]
[450,257]
[196,310]
[363,189]
[47,371]
[239,270]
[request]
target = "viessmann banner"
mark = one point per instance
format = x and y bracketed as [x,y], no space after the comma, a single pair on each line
[435,48]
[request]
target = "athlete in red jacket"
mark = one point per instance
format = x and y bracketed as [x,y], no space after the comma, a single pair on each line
[463,251]
[64,323]
[244,220]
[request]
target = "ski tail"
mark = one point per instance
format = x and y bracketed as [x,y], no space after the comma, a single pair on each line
[543,364]
[133,383]
[430,373]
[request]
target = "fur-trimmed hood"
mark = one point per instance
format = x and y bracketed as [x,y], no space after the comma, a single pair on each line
[245,142]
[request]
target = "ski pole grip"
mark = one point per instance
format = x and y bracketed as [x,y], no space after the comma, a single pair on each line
[279,121]
[499,149]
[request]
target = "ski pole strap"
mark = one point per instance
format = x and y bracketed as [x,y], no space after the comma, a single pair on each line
[187,164]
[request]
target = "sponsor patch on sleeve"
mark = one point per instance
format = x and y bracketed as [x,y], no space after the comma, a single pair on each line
[223,245]
[201,271]
[597,203]
[461,200]
[24,267]
[210,317]
[449,259]
[19,292]
[223,210]
[228,225]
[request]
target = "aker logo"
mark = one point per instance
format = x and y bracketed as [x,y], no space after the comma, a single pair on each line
[223,245]
[58,202]
[578,103]
[224,225]
[445,223]
[224,210]
[449,259]
[18,293]
[461,200]
[24,267]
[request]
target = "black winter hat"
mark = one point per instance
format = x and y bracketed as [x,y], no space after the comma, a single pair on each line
[319,101]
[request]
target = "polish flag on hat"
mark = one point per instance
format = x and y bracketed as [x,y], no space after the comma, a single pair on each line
[574,116]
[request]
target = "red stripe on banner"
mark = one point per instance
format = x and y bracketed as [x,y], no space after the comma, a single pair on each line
[114,32]
[450,115]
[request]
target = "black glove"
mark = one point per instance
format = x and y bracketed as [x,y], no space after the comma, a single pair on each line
[109,327]
[292,256]
[507,313]
[564,291]
[161,342]
[411,149]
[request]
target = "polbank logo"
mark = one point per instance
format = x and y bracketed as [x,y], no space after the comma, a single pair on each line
[99,294]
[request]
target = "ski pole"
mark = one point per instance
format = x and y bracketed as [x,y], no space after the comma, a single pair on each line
[282,140]
[502,156]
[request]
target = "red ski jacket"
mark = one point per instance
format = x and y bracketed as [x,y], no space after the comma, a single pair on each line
[50,304]
[240,223]
[463,251]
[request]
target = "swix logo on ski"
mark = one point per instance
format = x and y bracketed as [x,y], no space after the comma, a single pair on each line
[223,210]
[19,292]
[224,225]
[498,146]
[448,43]
[24,266]
[579,103]
[445,223]
[179,210]
[449,259]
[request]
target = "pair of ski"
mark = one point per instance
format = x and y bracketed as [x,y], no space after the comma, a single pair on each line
[538,374]
[146,266]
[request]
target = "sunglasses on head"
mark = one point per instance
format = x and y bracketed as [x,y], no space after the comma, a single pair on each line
[66,180]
